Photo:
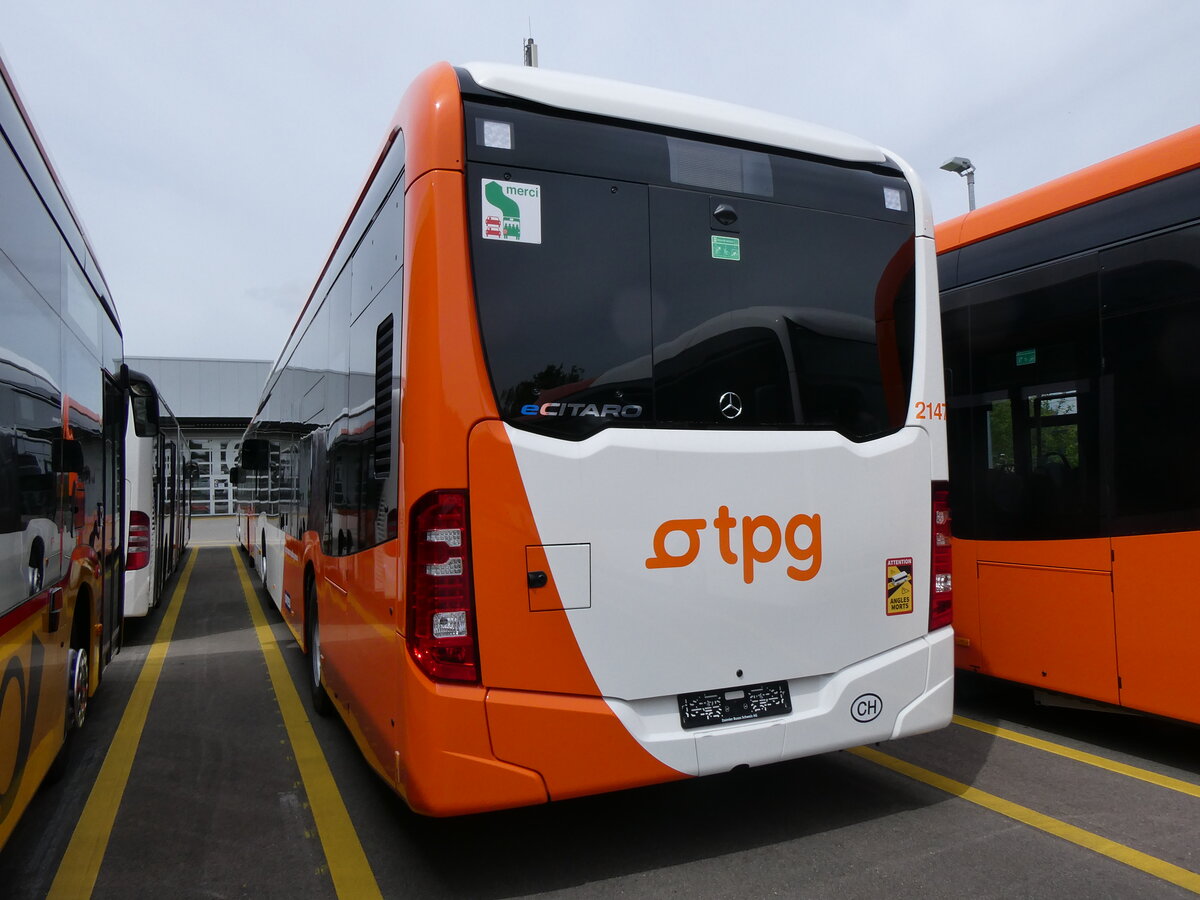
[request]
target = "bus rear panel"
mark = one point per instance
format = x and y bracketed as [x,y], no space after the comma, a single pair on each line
[654,493]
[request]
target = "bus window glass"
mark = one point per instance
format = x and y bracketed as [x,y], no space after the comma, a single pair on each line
[380,254]
[1054,429]
[1000,436]
[30,326]
[1026,408]
[720,168]
[567,321]
[735,313]
[1151,300]
[82,310]
[793,287]
[27,232]
[356,495]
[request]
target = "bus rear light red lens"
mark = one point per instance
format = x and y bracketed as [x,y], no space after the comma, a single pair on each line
[441,610]
[941,587]
[138,556]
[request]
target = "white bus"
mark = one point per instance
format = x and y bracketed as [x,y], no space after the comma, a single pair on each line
[157,512]
[609,446]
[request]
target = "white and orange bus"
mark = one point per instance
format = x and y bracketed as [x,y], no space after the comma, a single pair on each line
[61,428]
[608,448]
[157,486]
[1069,314]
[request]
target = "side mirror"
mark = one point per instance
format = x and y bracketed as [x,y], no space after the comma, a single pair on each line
[193,471]
[145,416]
[235,475]
[67,456]
[143,398]
[255,455]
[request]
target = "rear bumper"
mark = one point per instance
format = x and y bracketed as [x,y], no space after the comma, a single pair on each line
[528,747]
[588,745]
[906,690]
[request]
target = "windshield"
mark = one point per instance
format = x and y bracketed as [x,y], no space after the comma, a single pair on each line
[627,278]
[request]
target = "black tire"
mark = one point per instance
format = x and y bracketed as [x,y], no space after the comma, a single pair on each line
[321,703]
[77,693]
[36,572]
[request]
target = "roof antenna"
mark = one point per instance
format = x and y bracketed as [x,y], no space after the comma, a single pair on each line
[530,48]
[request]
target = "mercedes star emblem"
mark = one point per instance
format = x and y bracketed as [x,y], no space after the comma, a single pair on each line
[731,405]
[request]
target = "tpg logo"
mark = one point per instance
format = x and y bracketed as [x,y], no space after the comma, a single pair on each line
[761,540]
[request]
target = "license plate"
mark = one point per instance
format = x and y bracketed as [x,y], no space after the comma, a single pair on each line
[735,704]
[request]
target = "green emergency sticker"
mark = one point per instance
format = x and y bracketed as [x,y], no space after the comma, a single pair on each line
[1026,357]
[726,248]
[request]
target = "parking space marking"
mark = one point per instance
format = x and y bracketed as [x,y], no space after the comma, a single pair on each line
[348,865]
[1151,865]
[77,871]
[1091,759]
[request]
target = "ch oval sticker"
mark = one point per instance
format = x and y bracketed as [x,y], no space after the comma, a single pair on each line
[866,707]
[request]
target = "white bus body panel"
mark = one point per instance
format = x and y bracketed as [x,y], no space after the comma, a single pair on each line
[692,627]
[654,106]
[140,497]
[650,634]
[270,561]
[912,685]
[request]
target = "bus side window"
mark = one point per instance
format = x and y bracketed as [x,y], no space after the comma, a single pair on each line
[1150,307]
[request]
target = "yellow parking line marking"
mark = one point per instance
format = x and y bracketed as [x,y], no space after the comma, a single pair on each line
[76,875]
[1091,759]
[348,865]
[1151,865]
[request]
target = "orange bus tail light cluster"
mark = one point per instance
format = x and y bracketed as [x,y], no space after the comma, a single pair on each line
[941,586]
[441,609]
[139,541]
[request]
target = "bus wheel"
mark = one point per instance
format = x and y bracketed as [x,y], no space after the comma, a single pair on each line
[322,705]
[77,698]
[36,571]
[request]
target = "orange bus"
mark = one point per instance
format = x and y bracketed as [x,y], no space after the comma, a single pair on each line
[62,424]
[1069,314]
[609,447]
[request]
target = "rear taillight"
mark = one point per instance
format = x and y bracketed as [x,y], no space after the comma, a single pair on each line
[941,586]
[138,556]
[441,611]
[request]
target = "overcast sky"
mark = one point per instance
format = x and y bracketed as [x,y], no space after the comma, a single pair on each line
[212,149]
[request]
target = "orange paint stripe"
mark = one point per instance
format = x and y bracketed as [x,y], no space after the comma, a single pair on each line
[1152,162]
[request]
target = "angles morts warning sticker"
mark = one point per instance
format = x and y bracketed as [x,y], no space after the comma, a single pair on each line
[899,590]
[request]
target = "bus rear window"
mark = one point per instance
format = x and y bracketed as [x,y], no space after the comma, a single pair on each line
[643,302]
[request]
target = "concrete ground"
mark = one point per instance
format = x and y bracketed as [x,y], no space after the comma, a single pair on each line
[214,531]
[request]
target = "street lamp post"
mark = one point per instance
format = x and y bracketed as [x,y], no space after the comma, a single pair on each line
[963,166]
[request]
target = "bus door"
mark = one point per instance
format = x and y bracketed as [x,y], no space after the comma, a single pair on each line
[157,510]
[167,490]
[111,549]
[1041,458]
